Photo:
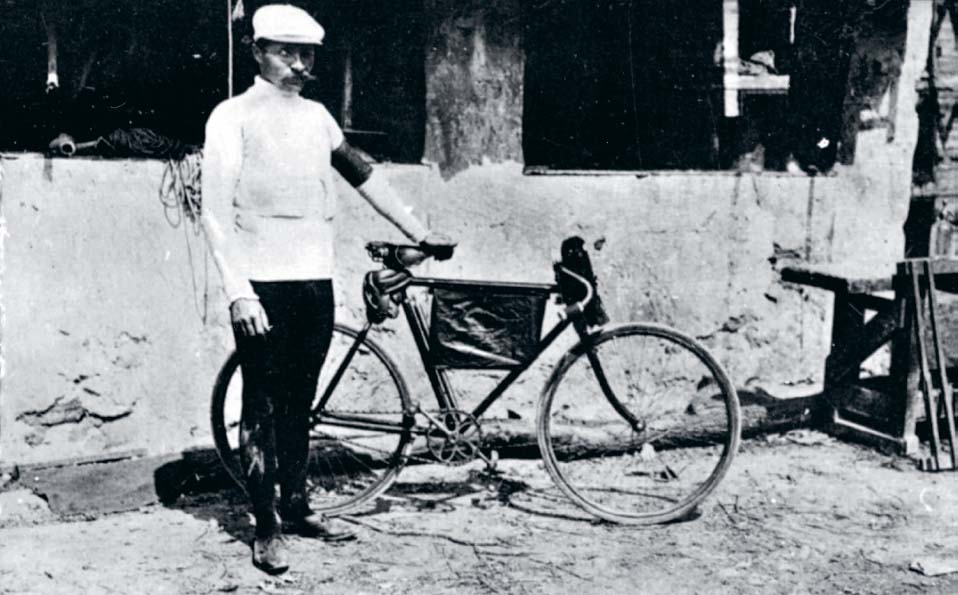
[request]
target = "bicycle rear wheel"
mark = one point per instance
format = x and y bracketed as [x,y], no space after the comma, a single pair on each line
[638,424]
[358,441]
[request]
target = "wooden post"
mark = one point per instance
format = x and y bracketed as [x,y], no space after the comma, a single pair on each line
[229,48]
[931,410]
[942,363]
[904,358]
[53,77]
[346,115]
[730,56]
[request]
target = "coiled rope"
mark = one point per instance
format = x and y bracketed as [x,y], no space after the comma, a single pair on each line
[182,200]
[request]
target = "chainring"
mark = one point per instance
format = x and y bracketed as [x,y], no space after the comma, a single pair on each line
[457,440]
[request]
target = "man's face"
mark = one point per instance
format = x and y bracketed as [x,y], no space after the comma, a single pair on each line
[286,65]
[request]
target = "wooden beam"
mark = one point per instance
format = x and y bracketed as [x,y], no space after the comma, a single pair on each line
[847,356]
[201,470]
[517,438]
[835,277]
[771,84]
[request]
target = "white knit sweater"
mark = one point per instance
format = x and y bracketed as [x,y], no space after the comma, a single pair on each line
[268,194]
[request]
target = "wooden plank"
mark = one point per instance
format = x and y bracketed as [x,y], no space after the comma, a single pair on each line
[98,488]
[871,403]
[946,393]
[108,457]
[847,324]
[906,376]
[771,84]
[836,277]
[945,270]
[841,427]
[847,356]
[867,301]
[517,438]
[930,409]
[941,266]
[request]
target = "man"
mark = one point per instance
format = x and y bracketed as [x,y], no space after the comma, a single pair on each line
[268,208]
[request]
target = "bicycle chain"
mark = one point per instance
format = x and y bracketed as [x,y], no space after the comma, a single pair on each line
[490,460]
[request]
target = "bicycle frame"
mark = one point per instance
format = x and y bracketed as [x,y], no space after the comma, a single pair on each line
[448,434]
[416,319]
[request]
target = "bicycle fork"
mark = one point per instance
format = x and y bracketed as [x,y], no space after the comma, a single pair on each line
[638,426]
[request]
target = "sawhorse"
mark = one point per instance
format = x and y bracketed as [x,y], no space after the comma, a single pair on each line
[869,313]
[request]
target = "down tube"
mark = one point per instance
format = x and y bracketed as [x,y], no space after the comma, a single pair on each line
[511,377]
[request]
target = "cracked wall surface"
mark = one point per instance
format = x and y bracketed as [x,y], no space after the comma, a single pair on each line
[111,346]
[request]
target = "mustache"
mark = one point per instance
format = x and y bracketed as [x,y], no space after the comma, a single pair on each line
[304,76]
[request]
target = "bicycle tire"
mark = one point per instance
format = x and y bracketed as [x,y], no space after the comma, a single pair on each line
[356,480]
[699,430]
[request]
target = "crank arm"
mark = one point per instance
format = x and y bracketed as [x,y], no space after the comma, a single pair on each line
[435,422]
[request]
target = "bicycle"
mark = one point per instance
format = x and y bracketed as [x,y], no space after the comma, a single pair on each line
[638,422]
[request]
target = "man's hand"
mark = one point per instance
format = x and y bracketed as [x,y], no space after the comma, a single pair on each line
[949,212]
[438,245]
[249,317]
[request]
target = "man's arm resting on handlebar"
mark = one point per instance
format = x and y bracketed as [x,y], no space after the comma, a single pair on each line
[377,191]
[380,195]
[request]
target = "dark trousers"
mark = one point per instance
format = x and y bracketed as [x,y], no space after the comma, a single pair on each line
[280,372]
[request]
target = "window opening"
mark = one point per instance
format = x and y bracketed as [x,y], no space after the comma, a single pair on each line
[107,74]
[701,84]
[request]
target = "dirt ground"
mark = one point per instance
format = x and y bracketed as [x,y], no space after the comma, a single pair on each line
[799,513]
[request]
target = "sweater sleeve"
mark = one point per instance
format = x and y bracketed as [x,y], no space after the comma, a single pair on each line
[378,193]
[222,161]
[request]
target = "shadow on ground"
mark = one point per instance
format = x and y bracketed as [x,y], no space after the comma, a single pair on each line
[432,489]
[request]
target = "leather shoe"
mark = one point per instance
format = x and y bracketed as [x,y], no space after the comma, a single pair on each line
[270,555]
[318,526]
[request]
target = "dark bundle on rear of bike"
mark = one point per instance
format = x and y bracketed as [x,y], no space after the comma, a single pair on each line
[576,259]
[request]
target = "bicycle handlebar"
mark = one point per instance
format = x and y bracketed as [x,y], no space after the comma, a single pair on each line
[578,307]
[399,257]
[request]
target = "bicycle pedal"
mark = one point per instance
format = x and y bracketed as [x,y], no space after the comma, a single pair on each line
[491,460]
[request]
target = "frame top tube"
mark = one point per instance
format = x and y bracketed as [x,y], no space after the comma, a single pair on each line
[513,286]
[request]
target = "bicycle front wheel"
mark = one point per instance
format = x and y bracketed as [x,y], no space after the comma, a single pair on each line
[638,424]
[359,437]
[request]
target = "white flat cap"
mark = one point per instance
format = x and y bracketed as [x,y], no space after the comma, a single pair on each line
[287,24]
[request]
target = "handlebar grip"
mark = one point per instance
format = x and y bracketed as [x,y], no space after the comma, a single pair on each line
[438,252]
[407,256]
[399,257]
[394,256]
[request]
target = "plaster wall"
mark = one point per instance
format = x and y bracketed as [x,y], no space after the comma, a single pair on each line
[474,72]
[108,345]
[105,347]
